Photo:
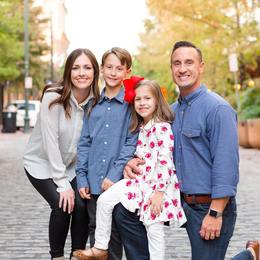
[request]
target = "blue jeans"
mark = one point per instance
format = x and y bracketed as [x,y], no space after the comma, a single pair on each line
[209,249]
[243,255]
[132,232]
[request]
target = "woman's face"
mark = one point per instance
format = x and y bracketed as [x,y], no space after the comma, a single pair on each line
[82,72]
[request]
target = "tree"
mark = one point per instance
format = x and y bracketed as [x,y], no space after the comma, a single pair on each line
[217,27]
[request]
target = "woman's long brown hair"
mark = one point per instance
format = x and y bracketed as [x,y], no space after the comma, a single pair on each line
[162,113]
[64,87]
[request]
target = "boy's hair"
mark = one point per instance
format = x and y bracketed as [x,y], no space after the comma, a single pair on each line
[162,113]
[180,44]
[123,55]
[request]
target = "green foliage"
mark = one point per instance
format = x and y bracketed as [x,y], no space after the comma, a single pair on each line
[216,27]
[250,104]
[12,44]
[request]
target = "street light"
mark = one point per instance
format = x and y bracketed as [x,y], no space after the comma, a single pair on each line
[26,66]
[233,67]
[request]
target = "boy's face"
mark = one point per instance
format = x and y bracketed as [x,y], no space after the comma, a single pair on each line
[114,72]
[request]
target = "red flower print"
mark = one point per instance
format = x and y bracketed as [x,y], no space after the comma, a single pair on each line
[166,204]
[171,137]
[180,214]
[160,142]
[159,175]
[170,215]
[148,168]
[148,134]
[130,195]
[170,172]
[154,187]
[154,129]
[144,177]
[175,202]
[152,145]
[171,148]
[163,162]
[164,128]
[145,207]
[128,183]
[148,155]
[153,216]
[177,186]
[139,142]
[161,185]
[136,181]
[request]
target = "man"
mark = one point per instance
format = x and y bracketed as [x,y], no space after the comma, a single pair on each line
[206,158]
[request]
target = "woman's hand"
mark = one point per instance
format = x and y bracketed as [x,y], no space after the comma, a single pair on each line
[67,199]
[84,193]
[156,205]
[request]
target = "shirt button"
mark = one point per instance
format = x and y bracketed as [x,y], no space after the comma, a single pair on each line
[108,108]
[101,177]
[107,125]
[105,142]
[103,160]
[179,146]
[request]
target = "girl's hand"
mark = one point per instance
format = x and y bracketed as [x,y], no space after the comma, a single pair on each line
[156,203]
[84,193]
[106,184]
[67,200]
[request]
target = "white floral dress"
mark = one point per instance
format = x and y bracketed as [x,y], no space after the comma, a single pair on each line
[155,146]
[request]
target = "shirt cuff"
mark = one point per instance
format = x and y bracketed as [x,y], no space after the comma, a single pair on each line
[223,191]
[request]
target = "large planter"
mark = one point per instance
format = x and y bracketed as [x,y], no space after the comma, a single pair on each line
[254,132]
[243,134]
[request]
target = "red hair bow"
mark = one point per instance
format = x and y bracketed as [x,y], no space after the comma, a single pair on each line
[130,85]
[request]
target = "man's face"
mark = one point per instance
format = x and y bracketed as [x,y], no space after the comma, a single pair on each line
[186,67]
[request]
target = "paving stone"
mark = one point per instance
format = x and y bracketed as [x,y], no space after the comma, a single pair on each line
[24,215]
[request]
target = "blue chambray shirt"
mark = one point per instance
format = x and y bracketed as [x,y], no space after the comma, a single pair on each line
[106,144]
[206,144]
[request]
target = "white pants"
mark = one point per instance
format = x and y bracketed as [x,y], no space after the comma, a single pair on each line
[105,206]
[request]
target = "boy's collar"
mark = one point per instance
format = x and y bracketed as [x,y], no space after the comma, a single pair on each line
[119,97]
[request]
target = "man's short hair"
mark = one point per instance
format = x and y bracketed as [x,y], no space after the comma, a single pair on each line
[180,44]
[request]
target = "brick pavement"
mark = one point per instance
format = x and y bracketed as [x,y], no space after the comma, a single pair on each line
[24,214]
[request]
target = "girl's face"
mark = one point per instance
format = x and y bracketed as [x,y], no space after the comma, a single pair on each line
[82,72]
[113,71]
[145,103]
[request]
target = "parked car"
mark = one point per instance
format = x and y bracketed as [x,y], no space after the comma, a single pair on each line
[33,110]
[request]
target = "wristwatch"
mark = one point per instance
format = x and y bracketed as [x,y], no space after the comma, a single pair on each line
[214,213]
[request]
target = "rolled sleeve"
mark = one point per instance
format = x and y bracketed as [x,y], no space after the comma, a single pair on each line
[224,152]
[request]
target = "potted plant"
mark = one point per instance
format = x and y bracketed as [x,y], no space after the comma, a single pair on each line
[249,114]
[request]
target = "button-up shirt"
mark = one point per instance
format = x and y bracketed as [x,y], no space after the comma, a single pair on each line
[51,150]
[106,143]
[206,144]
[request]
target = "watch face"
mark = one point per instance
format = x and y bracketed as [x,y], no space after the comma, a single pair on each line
[213,213]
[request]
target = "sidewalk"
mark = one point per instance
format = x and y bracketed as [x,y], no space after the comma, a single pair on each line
[24,214]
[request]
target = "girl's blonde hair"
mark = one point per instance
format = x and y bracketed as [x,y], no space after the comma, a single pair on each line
[162,113]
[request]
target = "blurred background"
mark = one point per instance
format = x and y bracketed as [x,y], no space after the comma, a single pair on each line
[37,35]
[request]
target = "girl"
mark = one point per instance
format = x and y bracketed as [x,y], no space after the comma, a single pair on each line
[50,155]
[154,193]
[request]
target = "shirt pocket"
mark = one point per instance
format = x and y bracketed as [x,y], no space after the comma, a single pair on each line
[192,139]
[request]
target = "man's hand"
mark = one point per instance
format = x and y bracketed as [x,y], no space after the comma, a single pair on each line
[132,169]
[210,228]
[84,193]
[67,200]
[106,184]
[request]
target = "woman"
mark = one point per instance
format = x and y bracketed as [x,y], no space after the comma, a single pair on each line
[50,156]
